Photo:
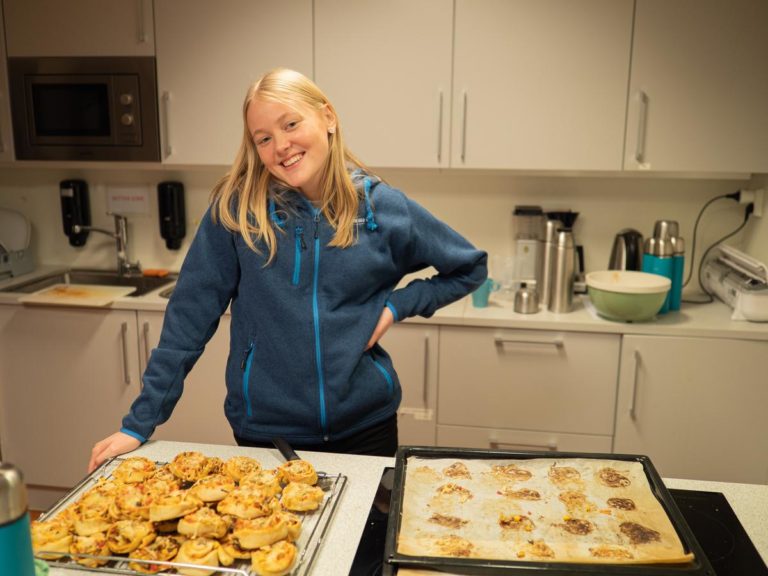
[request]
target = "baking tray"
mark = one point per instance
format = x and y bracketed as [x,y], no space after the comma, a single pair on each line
[314,527]
[393,560]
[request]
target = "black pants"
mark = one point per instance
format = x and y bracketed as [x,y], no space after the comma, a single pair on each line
[378,440]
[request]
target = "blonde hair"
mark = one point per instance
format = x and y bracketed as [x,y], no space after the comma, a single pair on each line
[241,198]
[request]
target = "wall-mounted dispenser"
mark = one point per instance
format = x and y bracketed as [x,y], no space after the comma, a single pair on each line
[75,209]
[173,222]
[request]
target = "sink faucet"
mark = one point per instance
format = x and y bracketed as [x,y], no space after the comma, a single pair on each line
[124,266]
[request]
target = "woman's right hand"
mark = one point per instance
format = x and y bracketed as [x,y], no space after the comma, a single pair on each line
[114,445]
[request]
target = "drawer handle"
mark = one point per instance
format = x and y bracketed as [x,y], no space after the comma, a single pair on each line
[425,383]
[556,342]
[464,130]
[633,392]
[550,446]
[124,338]
[440,128]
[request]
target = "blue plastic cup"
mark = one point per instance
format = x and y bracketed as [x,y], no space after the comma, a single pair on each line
[483,292]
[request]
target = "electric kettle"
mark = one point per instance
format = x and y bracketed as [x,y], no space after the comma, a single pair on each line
[627,251]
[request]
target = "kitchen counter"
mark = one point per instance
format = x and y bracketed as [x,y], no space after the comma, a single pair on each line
[749,501]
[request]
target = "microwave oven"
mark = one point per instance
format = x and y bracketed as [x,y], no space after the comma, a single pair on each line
[84,108]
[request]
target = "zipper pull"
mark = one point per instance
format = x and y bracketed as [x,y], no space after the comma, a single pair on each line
[299,233]
[317,222]
[245,356]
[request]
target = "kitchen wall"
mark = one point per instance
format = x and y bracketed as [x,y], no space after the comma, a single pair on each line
[477,204]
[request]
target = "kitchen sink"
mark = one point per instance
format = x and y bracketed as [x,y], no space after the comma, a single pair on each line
[143,284]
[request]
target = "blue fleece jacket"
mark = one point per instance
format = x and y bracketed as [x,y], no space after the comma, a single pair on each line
[297,366]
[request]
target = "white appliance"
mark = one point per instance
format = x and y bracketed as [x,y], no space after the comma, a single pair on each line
[740,281]
[15,235]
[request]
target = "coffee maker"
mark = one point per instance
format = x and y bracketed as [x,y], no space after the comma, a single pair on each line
[529,227]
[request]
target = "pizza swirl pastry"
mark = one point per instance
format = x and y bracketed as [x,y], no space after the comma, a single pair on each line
[163,548]
[174,505]
[292,523]
[246,502]
[274,560]
[90,520]
[129,503]
[299,497]
[213,488]
[134,470]
[94,545]
[258,532]
[298,471]
[267,480]
[203,523]
[191,466]
[51,536]
[231,547]
[124,536]
[239,466]
[199,551]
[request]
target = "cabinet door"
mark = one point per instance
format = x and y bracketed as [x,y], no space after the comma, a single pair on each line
[414,349]
[695,406]
[528,380]
[386,66]
[6,134]
[79,27]
[208,54]
[540,84]
[699,87]
[67,377]
[199,415]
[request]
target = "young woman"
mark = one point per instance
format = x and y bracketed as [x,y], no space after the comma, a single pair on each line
[308,248]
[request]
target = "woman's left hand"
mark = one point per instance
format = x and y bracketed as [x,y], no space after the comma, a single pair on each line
[385,321]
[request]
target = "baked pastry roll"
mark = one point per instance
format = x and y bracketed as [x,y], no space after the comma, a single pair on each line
[258,532]
[160,486]
[91,519]
[129,503]
[292,522]
[246,502]
[301,497]
[163,548]
[274,560]
[100,496]
[267,480]
[231,547]
[165,473]
[213,488]
[94,545]
[239,466]
[124,536]
[134,470]
[198,551]
[191,466]
[203,523]
[173,505]
[50,536]
[299,471]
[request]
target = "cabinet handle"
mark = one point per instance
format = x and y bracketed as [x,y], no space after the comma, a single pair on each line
[141,30]
[494,444]
[425,396]
[440,128]
[2,142]
[464,130]
[633,393]
[167,123]
[556,342]
[124,338]
[642,122]
[146,343]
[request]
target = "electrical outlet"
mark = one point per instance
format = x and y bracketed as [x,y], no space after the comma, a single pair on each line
[755,197]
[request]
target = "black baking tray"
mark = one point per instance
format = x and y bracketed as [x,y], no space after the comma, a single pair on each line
[699,566]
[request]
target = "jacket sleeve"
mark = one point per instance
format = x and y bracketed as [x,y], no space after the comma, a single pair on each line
[207,282]
[429,242]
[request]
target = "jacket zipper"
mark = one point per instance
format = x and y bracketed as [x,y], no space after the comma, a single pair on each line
[387,375]
[316,317]
[245,366]
[300,247]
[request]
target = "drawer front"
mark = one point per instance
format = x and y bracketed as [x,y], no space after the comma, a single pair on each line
[496,439]
[528,380]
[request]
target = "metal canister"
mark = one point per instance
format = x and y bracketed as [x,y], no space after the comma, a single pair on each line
[550,239]
[15,539]
[563,268]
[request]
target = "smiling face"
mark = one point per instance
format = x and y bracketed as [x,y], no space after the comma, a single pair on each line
[292,142]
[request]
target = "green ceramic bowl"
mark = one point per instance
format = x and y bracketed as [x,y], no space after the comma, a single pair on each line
[627,296]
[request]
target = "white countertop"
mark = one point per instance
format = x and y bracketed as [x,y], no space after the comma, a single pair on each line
[337,552]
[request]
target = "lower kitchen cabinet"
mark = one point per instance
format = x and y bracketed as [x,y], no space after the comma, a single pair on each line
[414,349]
[199,414]
[67,376]
[695,406]
[541,390]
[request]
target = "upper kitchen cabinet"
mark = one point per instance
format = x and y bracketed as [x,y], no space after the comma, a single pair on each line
[540,85]
[79,28]
[386,66]
[6,134]
[208,53]
[699,87]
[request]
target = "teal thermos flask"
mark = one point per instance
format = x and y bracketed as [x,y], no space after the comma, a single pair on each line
[15,539]
[657,259]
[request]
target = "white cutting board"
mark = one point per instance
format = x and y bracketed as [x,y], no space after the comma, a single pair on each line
[77,295]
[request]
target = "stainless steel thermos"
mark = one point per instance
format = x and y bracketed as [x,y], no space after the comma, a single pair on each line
[562,273]
[15,540]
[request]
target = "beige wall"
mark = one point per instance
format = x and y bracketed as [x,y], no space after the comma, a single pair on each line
[477,204]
